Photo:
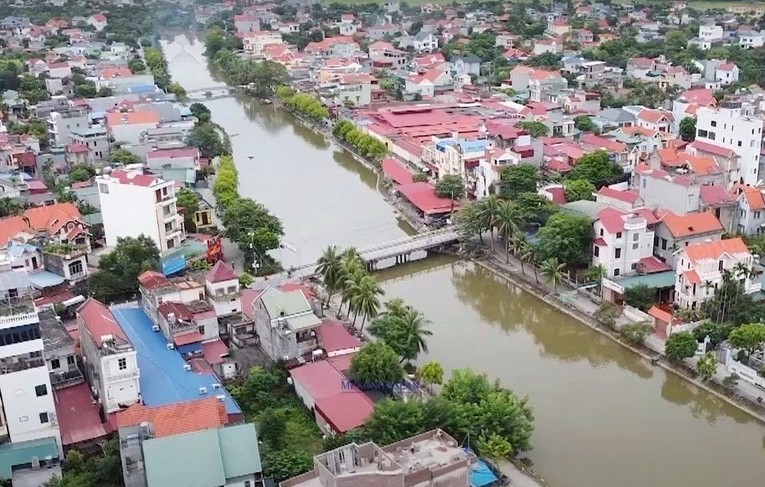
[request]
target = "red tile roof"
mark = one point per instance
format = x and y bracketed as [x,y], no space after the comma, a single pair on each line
[248,298]
[755,198]
[660,314]
[712,149]
[424,197]
[334,338]
[628,195]
[78,415]
[176,419]
[611,219]
[221,272]
[714,250]
[187,338]
[214,351]
[173,153]
[133,178]
[99,321]
[153,280]
[692,276]
[715,195]
[114,119]
[397,171]
[681,226]
[651,265]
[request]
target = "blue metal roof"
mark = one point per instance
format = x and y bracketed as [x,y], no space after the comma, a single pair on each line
[44,279]
[163,379]
[21,453]
[142,89]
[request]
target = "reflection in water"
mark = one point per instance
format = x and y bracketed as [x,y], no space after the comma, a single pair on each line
[701,404]
[347,162]
[270,119]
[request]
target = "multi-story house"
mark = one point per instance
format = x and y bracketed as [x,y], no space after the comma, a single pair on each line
[95,138]
[127,127]
[384,55]
[110,360]
[59,223]
[751,209]
[701,268]
[187,325]
[60,124]
[28,410]
[157,289]
[732,127]
[674,232]
[286,324]
[153,209]
[176,164]
[622,240]
[254,43]
[425,42]
[452,155]
[711,32]
[223,292]
[751,40]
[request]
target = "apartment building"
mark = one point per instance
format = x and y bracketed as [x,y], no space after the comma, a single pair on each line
[223,292]
[701,268]
[27,408]
[111,363]
[153,209]
[60,125]
[733,126]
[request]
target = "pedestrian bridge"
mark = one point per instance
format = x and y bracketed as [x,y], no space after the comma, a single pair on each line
[391,253]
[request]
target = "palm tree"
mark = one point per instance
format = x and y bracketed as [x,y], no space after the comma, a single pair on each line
[487,212]
[351,271]
[416,333]
[526,255]
[505,219]
[516,244]
[396,307]
[741,270]
[707,286]
[365,299]
[553,272]
[330,270]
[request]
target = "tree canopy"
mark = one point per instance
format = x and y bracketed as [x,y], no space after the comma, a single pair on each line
[517,179]
[596,168]
[119,270]
[450,186]
[681,345]
[376,366]
[205,137]
[580,189]
[567,238]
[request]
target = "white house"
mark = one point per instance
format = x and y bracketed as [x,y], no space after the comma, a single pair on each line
[28,410]
[222,287]
[710,33]
[727,74]
[425,42]
[751,40]
[426,84]
[733,126]
[254,43]
[111,363]
[152,204]
[97,21]
[701,267]
[622,240]
[546,45]
[658,120]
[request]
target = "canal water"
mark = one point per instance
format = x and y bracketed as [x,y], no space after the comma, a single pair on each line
[604,417]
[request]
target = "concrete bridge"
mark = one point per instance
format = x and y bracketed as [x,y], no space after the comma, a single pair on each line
[386,254]
[214,92]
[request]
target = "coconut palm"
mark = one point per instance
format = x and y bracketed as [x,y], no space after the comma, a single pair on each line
[516,243]
[349,273]
[742,271]
[396,307]
[416,333]
[365,299]
[506,225]
[330,270]
[707,285]
[553,271]
[526,255]
[487,212]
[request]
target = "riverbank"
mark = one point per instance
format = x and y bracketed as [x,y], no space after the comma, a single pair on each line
[511,273]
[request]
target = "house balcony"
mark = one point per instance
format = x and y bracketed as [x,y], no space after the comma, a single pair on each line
[9,365]
[17,312]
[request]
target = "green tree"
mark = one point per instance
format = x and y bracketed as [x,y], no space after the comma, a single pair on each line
[514,180]
[119,270]
[566,238]
[403,331]
[376,366]
[552,270]
[680,345]
[580,189]
[201,112]
[707,365]
[494,447]
[432,373]
[534,129]
[607,313]
[364,298]
[533,210]
[394,420]
[716,332]
[188,201]
[10,207]
[124,156]
[272,428]
[506,226]
[749,337]
[286,463]
[595,167]
[205,137]
[640,296]
[450,186]
[688,129]
[636,332]
[81,172]
[585,124]
[330,268]
[178,90]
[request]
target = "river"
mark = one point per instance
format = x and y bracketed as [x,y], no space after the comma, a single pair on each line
[604,417]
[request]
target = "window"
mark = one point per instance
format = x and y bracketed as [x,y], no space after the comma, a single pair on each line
[711,135]
[655,241]
[739,143]
[664,244]
[23,419]
[714,123]
[201,330]
[41,390]
[55,364]
[43,418]
[122,363]
[618,234]
[633,266]
[75,268]
[601,232]
[617,253]
[616,271]
[70,360]
[635,246]
[596,251]
[635,237]
[757,214]
[103,188]
[720,266]
[702,133]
